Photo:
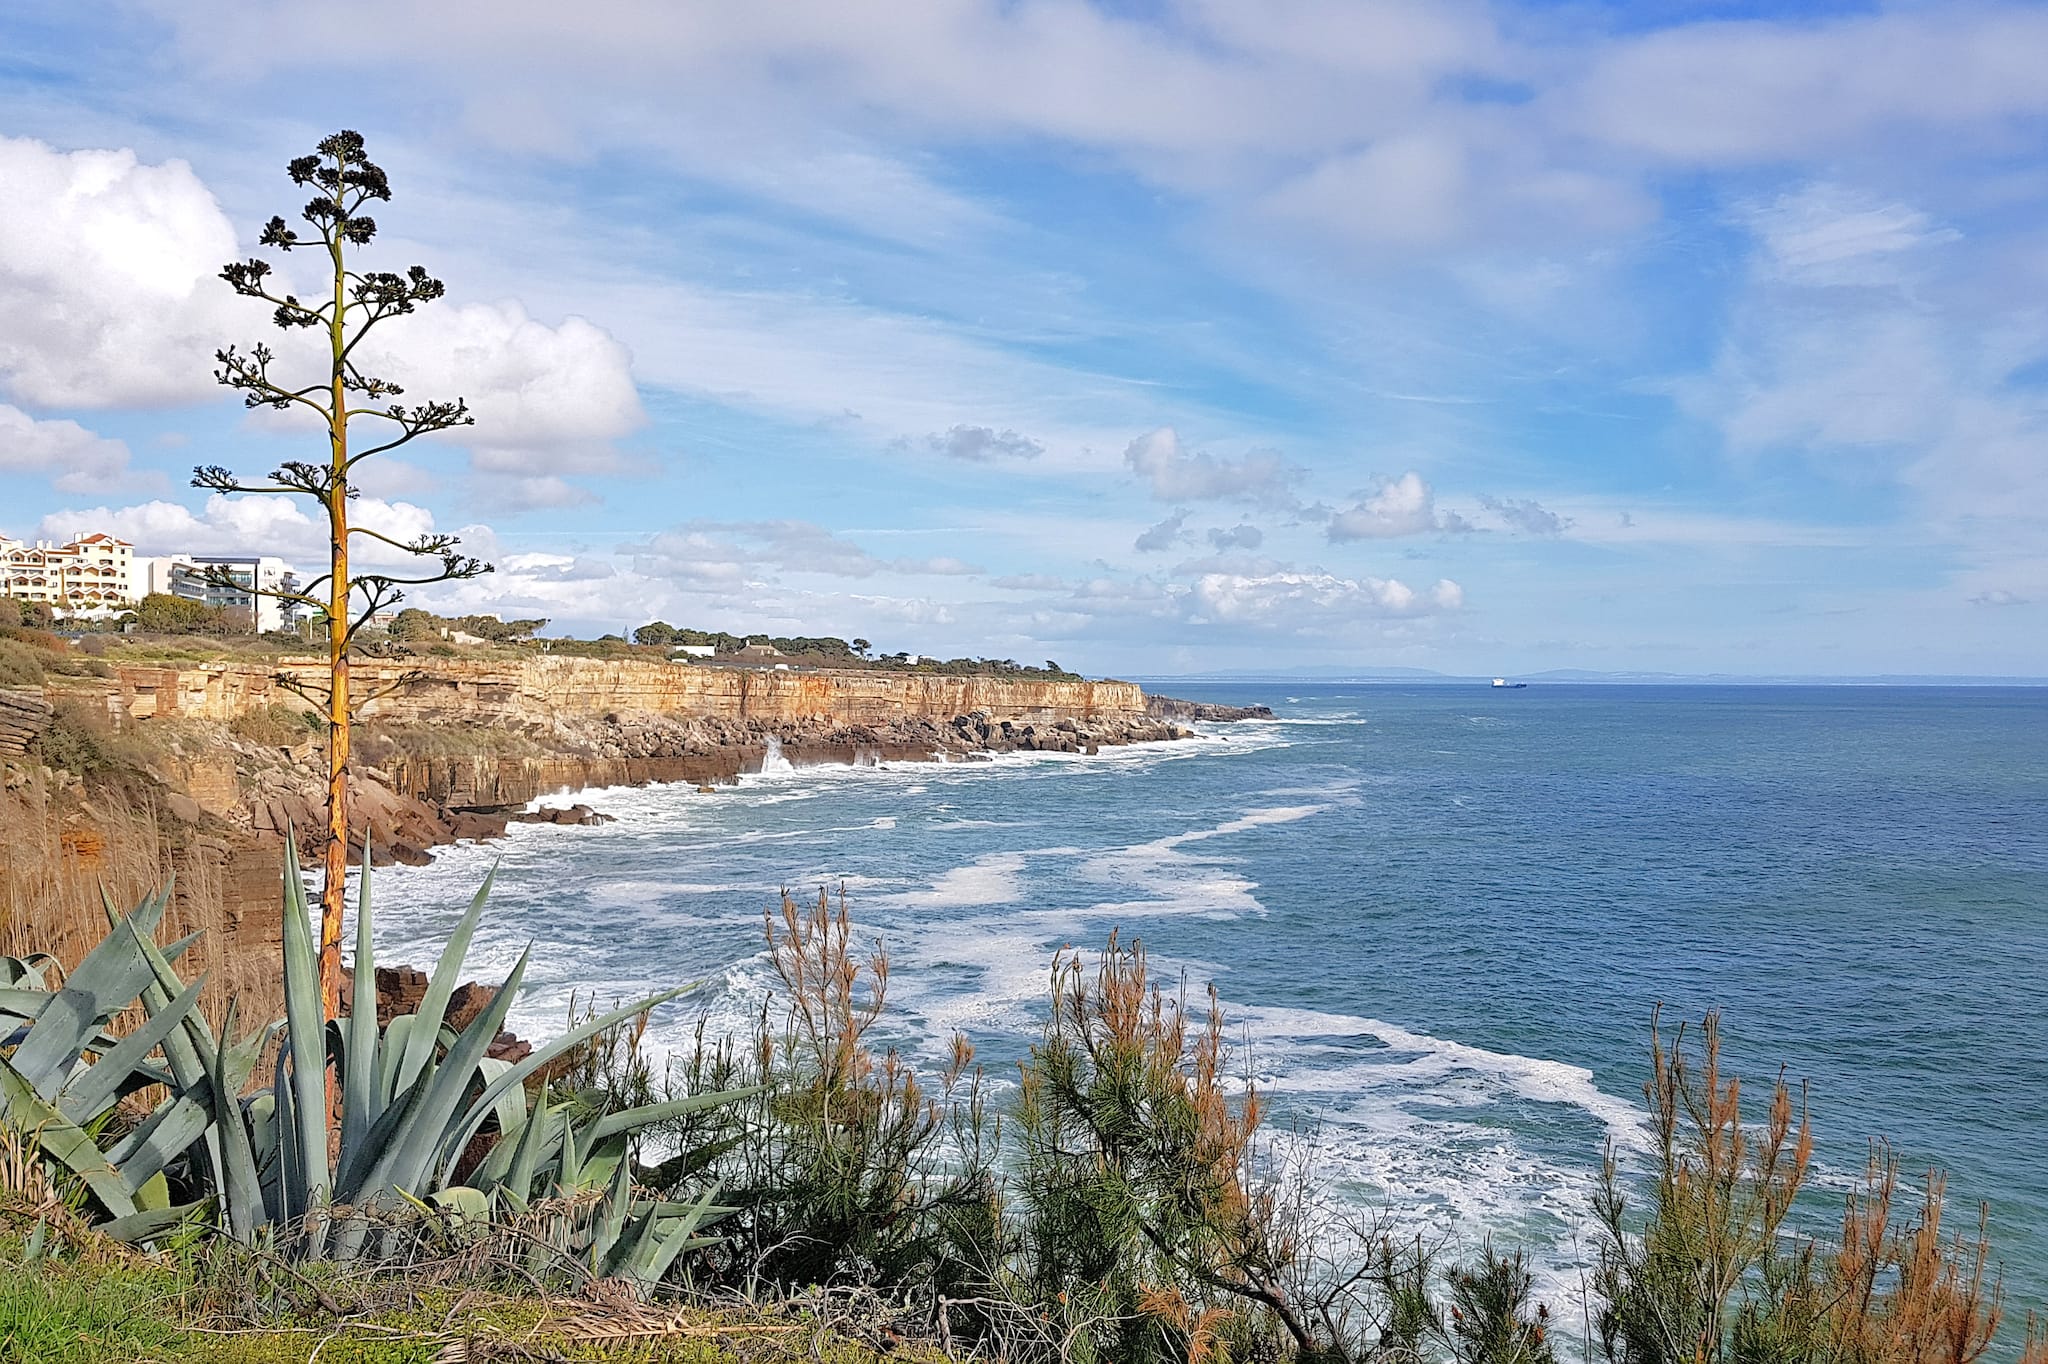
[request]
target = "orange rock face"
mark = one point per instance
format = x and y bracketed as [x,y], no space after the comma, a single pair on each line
[537,689]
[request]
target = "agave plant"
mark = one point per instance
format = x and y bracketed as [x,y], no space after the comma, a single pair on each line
[273,1163]
[52,1093]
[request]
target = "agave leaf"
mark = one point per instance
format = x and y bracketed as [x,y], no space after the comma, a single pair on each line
[481,1108]
[307,1039]
[110,978]
[426,1029]
[569,1169]
[633,1119]
[535,1135]
[468,1205]
[188,1050]
[23,1001]
[362,1097]
[152,1194]
[28,971]
[511,1105]
[679,1238]
[357,1163]
[291,1176]
[389,1053]
[600,1160]
[406,1163]
[174,1126]
[241,1186]
[633,1247]
[151,1223]
[103,1082]
[146,915]
[611,1220]
[58,1137]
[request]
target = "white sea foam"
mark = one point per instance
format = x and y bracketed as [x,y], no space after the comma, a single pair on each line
[992,879]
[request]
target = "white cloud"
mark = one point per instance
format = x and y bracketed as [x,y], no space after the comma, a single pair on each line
[1031,582]
[256,524]
[547,400]
[1775,90]
[71,457]
[1302,600]
[108,282]
[730,551]
[518,494]
[1402,506]
[1907,377]
[1830,234]
[1525,515]
[1176,474]
[1164,535]
[1390,122]
[1463,182]
[107,278]
[1241,536]
[984,444]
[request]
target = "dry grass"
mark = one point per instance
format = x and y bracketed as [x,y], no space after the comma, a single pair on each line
[63,848]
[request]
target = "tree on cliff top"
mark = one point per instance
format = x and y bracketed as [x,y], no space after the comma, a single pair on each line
[170,615]
[337,391]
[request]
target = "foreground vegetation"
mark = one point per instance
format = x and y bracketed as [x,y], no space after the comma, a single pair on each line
[393,1191]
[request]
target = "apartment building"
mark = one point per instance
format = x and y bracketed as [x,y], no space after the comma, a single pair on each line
[91,575]
[199,577]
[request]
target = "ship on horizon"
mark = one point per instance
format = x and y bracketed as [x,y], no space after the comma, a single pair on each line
[1506,685]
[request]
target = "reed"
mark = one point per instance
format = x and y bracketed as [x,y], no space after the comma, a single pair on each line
[68,850]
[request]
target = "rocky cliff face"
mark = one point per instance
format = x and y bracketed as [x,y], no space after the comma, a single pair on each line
[1173,708]
[543,688]
[456,744]
[23,713]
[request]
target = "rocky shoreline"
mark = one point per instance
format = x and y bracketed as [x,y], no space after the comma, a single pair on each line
[1173,708]
[410,802]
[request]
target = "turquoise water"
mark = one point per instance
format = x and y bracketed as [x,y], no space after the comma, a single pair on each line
[1439,917]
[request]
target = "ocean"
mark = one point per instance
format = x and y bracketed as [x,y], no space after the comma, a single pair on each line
[1439,918]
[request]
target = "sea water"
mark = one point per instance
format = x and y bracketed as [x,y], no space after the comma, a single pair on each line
[1439,919]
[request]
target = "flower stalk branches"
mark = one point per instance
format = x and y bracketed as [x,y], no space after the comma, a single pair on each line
[344,182]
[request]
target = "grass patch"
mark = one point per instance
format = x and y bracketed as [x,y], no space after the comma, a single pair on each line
[86,1313]
[105,1305]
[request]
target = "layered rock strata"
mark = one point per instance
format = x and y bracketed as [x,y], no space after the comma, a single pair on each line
[23,713]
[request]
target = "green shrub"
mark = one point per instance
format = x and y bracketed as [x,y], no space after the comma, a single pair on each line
[19,665]
[164,614]
[1709,1273]
[78,739]
[276,725]
[33,637]
[15,612]
[841,1166]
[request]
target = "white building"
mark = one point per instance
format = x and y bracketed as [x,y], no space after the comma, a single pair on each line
[194,577]
[696,650]
[91,575]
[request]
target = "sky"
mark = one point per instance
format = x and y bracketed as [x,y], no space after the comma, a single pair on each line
[1155,337]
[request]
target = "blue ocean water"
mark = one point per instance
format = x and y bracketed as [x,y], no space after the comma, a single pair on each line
[1439,917]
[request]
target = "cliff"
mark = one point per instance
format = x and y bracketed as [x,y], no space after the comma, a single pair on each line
[542,688]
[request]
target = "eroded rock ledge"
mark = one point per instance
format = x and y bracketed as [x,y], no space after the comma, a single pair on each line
[1173,708]
[458,749]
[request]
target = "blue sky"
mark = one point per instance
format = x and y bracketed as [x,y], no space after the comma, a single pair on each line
[1150,337]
